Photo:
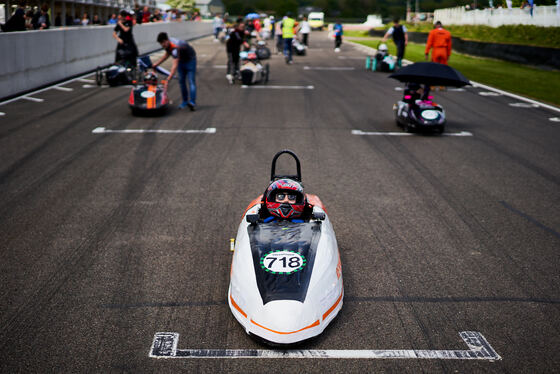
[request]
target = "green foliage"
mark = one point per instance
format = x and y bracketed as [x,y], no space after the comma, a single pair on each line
[184,5]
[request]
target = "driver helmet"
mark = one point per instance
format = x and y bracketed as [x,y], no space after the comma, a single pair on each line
[382,47]
[285,199]
[150,78]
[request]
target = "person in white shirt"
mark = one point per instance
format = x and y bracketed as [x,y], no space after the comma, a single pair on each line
[305,29]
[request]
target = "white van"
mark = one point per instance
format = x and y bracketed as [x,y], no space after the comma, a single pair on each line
[316,20]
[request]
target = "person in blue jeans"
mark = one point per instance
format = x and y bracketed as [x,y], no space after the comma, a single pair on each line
[184,63]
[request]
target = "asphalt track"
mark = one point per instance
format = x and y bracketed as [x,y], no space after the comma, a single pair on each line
[109,238]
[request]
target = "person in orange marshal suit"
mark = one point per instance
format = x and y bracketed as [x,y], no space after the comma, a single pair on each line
[439,40]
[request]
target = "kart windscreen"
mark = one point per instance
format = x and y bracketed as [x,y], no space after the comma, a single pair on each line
[283,257]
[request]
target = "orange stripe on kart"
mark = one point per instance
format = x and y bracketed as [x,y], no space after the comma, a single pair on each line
[237,307]
[316,323]
[151,101]
[332,307]
[314,200]
[258,200]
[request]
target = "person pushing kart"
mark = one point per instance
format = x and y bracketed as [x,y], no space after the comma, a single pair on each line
[233,47]
[184,61]
[400,38]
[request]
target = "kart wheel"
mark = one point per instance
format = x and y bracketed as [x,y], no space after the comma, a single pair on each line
[406,127]
[266,73]
[98,76]
[439,129]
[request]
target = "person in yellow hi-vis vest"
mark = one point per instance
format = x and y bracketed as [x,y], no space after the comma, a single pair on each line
[288,30]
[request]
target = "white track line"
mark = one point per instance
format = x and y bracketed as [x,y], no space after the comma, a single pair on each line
[34,99]
[86,80]
[165,346]
[282,87]
[489,93]
[555,119]
[382,133]
[2,114]
[103,130]
[67,89]
[48,88]
[328,68]
[523,105]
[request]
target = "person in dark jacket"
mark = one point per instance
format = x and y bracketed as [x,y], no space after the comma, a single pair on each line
[17,20]
[41,20]
[184,62]
[127,52]
[233,47]
[400,37]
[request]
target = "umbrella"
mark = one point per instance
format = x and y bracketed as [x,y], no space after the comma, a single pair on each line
[430,73]
[252,16]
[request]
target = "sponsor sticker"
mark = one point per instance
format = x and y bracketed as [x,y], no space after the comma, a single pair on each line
[147,94]
[283,262]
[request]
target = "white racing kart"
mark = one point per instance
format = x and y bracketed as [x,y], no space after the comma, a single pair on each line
[286,276]
[252,70]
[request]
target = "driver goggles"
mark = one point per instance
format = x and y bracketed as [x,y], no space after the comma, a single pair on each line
[282,196]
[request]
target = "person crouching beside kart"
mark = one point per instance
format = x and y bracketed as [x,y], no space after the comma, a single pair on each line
[184,61]
[127,52]
[233,47]
[284,200]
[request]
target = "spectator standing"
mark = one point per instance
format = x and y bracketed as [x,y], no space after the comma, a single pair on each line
[17,21]
[138,13]
[156,17]
[439,40]
[58,20]
[217,24]
[400,37]
[338,31]
[29,20]
[113,20]
[305,29]
[146,15]
[85,20]
[41,19]
[126,52]
[233,47]
[184,62]
[96,21]
[288,25]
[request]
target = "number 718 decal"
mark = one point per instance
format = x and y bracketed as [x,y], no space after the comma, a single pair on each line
[283,262]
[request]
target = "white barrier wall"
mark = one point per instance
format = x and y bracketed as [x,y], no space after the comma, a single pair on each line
[31,59]
[546,16]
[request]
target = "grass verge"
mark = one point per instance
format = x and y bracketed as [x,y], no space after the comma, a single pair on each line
[538,84]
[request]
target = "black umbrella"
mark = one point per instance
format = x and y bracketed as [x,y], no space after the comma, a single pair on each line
[430,73]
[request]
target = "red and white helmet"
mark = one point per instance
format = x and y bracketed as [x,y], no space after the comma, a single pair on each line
[285,210]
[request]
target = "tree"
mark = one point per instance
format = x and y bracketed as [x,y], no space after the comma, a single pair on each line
[184,5]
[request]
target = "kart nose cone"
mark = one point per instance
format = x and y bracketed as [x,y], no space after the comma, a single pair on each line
[285,316]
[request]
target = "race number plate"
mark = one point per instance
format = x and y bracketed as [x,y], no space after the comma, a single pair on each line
[283,262]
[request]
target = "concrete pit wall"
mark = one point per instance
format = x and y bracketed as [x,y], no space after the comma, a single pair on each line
[31,59]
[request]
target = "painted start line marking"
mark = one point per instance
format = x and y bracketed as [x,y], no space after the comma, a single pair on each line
[489,93]
[282,87]
[328,68]
[103,130]
[553,119]
[2,114]
[165,346]
[381,133]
